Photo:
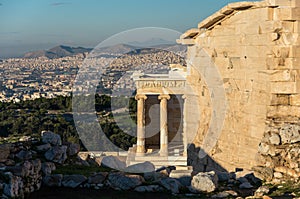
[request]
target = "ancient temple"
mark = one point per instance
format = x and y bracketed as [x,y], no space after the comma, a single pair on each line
[161,133]
[241,83]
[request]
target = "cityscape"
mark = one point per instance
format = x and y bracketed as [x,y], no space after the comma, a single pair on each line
[43,77]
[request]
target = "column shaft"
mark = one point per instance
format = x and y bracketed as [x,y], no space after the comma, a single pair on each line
[140,150]
[164,124]
[184,132]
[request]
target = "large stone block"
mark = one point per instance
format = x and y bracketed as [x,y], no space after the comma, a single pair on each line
[294,51]
[261,97]
[282,63]
[290,39]
[258,39]
[288,3]
[226,52]
[260,14]
[292,63]
[253,63]
[254,51]
[262,27]
[287,26]
[227,40]
[255,75]
[283,76]
[285,87]
[247,28]
[295,100]
[296,25]
[280,51]
[280,99]
[287,13]
[283,111]
[223,30]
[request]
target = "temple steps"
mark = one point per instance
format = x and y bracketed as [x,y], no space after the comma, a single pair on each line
[160,158]
[159,164]
[175,156]
[159,161]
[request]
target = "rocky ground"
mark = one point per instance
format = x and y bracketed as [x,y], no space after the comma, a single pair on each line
[69,193]
[28,166]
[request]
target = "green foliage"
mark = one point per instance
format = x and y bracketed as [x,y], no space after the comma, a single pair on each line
[288,187]
[78,169]
[32,117]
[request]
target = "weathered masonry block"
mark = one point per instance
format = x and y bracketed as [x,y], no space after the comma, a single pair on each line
[255,49]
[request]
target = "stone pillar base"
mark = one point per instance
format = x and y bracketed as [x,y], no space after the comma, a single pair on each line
[140,154]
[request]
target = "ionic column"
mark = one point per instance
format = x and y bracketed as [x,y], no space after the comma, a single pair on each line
[140,148]
[184,135]
[164,124]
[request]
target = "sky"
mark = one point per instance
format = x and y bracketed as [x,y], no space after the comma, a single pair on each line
[28,25]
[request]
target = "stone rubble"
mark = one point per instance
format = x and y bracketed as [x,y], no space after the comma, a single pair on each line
[22,176]
[279,152]
[205,182]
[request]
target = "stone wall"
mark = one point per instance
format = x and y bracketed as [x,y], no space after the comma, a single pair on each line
[279,151]
[255,48]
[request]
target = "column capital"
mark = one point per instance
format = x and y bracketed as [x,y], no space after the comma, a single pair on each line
[140,96]
[164,96]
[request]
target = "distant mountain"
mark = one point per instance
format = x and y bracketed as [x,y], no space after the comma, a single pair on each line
[116,49]
[152,42]
[57,52]
[125,48]
[63,51]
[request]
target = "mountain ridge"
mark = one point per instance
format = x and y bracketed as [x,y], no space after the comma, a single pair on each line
[57,52]
[63,51]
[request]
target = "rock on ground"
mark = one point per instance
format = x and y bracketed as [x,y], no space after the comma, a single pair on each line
[144,167]
[57,154]
[51,138]
[43,147]
[120,181]
[263,190]
[14,188]
[205,182]
[245,185]
[223,176]
[4,151]
[263,173]
[48,167]
[183,176]
[154,176]
[149,188]
[113,162]
[73,181]
[73,149]
[171,184]
[24,155]
[98,178]
[53,180]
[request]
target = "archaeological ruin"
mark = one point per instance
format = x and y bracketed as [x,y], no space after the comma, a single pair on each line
[240,93]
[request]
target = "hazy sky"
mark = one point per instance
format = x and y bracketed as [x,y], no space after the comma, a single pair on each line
[27,25]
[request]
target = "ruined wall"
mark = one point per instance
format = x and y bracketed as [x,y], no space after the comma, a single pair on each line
[255,47]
